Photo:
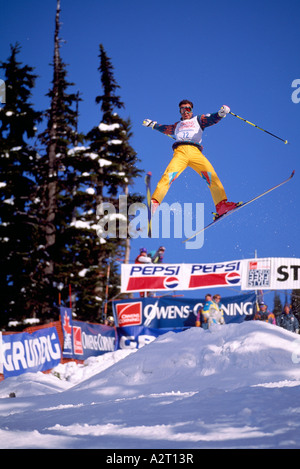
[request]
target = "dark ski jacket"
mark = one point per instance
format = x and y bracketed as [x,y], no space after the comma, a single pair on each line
[289,322]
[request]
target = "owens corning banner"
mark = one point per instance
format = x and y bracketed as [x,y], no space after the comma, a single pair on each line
[172,313]
[171,277]
[22,353]
[83,340]
[273,273]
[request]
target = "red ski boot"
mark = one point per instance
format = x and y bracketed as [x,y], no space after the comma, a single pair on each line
[224,207]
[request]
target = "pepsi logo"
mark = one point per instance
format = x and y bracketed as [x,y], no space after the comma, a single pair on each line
[171,282]
[233,278]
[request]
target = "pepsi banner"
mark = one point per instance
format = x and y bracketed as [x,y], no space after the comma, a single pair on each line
[172,277]
[83,340]
[172,313]
[23,353]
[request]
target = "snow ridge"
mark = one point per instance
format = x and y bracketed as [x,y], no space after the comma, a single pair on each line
[234,386]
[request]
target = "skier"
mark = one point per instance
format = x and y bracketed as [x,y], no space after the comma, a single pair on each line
[188,152]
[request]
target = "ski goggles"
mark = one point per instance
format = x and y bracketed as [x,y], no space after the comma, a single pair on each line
[183,109]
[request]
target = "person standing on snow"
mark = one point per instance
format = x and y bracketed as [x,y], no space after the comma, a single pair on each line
[288,320]
[188,152]
[216,315]
[202,318]
[263,314]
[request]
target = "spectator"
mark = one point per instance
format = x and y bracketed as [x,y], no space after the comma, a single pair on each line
[143,257]
[263,314]
[216,315]
[205,311]
[109,321]
[158,256]
[260,314]
[288,320]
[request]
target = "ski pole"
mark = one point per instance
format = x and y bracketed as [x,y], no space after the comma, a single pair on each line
[254,125]
[148,195]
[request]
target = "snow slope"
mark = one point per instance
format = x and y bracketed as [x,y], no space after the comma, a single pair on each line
[234,386]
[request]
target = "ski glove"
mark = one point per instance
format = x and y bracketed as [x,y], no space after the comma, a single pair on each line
[224,111]
[149,123]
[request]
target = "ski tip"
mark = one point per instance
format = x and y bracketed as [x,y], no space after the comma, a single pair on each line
[293,173]
[286,142]
[149,173]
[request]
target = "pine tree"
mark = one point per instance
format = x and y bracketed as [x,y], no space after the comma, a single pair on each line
[296,302]
[18,160]
[55,178]
[112,169]
[49,200]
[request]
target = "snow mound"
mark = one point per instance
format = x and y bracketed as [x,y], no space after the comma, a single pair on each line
[226,357]
[234,386]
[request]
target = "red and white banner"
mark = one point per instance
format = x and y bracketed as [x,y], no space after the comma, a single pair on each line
[171,277]
[250,274]
[272,273]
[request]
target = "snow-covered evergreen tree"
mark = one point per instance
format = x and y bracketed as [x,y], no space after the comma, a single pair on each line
[55,179]
[18,161]
[49,201]
[111,163]
[295,302]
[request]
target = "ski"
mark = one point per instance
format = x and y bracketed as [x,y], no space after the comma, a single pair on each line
[148,198]
[243,204]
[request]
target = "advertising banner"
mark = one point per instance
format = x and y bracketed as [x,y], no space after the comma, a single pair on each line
[22,353]
[83,340]
[137,336]
[172,277]
[273,273]
[171,313]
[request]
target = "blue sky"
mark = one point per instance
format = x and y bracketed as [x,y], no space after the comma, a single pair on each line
[243,54]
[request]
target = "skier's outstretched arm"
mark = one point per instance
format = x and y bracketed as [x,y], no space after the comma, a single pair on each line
[211,119]
[165,129]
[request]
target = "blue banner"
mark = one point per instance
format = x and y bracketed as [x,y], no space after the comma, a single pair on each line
[23,353]
[83,340]
[172,312]
[137,336]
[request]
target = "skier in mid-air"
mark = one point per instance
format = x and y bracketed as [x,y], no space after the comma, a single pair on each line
[188,152]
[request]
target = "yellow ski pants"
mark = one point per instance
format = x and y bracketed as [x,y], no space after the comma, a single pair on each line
[184,156]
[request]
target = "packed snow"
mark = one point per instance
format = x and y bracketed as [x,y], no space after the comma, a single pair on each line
[233,386]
